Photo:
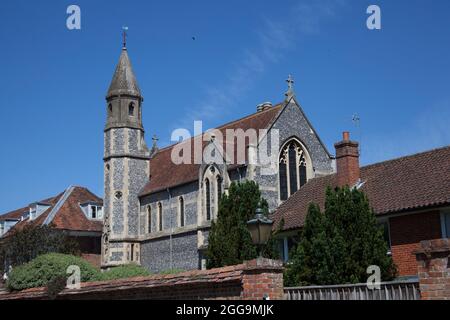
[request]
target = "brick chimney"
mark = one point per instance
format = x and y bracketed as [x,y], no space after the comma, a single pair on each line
[347,161]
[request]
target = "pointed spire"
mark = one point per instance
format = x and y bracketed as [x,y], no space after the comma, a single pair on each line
[290,92]
[124,81]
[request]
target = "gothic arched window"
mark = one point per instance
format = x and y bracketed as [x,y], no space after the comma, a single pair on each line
[208,199]
[181,204]
[160,217]
[131,109]
[149,217]
[292,169]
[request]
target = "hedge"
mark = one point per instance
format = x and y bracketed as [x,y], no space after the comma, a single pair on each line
[45,268]
[125,271]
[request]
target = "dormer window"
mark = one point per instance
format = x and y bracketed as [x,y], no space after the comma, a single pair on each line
[25,215]
[36,209]
[131,109]
[92,210]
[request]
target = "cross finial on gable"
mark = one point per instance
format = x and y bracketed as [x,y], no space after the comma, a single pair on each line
[155,139]
[155,145]
[290,81]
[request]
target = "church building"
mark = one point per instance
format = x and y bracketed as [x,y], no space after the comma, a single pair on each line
[158,212]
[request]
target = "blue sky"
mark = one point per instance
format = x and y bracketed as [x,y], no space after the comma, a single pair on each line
[54,80]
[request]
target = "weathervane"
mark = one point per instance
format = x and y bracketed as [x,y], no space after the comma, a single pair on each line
[124,36]
[357,122]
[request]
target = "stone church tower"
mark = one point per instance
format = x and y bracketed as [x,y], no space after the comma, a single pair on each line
[126,166]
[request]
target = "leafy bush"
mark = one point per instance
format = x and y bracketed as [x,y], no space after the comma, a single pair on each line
[45,268]
[22,246]
[122,272]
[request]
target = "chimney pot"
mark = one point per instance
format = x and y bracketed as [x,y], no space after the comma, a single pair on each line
[347,161]
[346,136]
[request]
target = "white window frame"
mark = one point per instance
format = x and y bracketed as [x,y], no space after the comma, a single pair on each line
[445,223]
[98,212]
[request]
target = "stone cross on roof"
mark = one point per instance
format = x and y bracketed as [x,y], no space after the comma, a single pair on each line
[290,92]
[155,148]
[155,139]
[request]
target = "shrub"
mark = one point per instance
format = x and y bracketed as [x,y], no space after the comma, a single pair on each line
[22,246]
[122,272]
[46,268]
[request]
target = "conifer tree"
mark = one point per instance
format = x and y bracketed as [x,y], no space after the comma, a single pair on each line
[229,241]
[337,246]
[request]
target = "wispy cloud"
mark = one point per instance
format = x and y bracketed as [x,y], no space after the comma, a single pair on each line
[427,130]
[274,39]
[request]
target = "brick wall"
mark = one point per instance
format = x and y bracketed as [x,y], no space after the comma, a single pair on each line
[406,234]
[252,280]
[433,259]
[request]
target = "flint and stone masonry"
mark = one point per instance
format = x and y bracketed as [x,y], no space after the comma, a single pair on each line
[126,171]
[147,228]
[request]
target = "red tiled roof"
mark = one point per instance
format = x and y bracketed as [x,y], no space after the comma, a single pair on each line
[69,216]
[17,214]
[167,174]
[408,183]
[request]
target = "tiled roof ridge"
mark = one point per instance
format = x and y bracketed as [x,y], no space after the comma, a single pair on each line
[58,205]
[278,105]
[376,164]
[417,154]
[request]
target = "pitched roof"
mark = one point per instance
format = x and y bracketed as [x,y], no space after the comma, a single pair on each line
[124,81]
[409,183]
[169,174]
[18,213]
[68,214]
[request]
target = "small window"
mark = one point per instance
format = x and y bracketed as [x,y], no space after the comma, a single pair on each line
[219,188]
[131,109]
[95,212]
[181,204]
[132,252]
[110,109]
[208,199]
[160,217]
[384,226]
[446,225]
[149,217]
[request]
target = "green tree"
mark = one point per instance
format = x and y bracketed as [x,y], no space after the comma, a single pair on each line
[229,241]
[338,245]
[26,244]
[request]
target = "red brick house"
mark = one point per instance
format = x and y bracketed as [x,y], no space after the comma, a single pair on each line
[76,211]
[409,195]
